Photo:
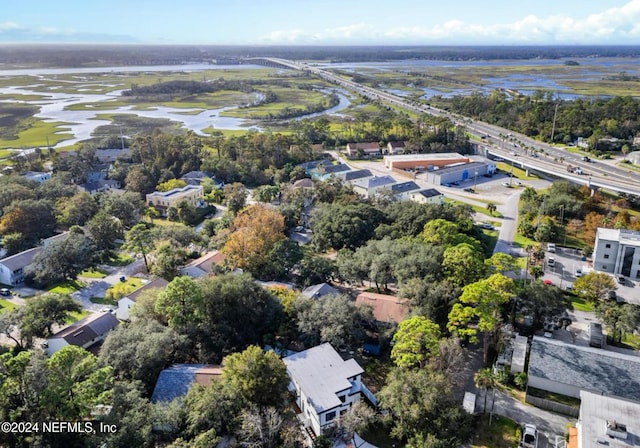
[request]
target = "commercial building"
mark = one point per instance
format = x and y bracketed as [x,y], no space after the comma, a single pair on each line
[567,369]
[423,161]
[162,200]
[367,187]
[607,421]
[460,172]
[617,251]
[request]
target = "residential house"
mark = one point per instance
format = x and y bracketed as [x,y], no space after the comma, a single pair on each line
[617,251]
[385,308]
[304,184]
[125,303]
[83,333]
[196,177]
[37,176]
[568,369]
[320,290]
[368,187]
[175,381]
[370,149]
[12,268]
[204,266]
[606,421]
[100,185]
[348,176]
[403,190]
[396,147]
[326,386]
[111,155]
[162,200]
[324,171]
[428,196]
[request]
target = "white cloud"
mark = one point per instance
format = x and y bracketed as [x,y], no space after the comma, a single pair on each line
[614,25]
[5,26]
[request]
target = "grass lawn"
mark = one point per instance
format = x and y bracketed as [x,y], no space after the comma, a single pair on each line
[120,259]
[121,289]
[579,304]
[476,208]
[490,238]
[500,434]
[75,317]
[103,301]
[5,306]
[67,287]
[93,273]
[518,173]
[632,341]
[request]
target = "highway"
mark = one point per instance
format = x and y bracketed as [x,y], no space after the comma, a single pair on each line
[499,141]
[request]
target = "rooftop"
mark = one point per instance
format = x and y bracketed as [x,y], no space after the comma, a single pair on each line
[366,145]
[587,368]
[203,265]
[596,410]
[355,174]
[317,291]
[459,167]
[403,187]
[386,308]
[20,260]
[155,283]
[430,156]
[321,373]
[629,237]
[429,193]
[175,191]
[175,381]
[81,332]
[372,182]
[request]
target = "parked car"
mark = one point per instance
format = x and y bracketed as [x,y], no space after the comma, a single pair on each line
[5,292]
[469,190]
[528,436]
[486,225]
[579,272]
[518,183]
[551,247]
[620,279]
[506,184]
[551,262]
[611,295]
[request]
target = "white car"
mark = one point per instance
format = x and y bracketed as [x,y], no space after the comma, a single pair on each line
[506,184]
[518,183]
[579,272]
[529,436]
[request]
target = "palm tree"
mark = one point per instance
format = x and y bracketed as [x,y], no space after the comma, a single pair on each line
[491,208]
[485,380]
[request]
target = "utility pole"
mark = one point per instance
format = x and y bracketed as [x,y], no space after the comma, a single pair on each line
[553,127]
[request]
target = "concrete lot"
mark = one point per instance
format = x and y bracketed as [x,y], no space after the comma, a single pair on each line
[563,273]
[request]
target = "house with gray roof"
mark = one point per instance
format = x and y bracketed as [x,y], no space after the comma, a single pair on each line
[324,171]
[403,190]
[369,186]
[568,369]
[427,196]
[37,176]
[125,303]
[12,268]
[83,333]
[196,177]
[175,381]
[325,386]
[349,176]
[317,291]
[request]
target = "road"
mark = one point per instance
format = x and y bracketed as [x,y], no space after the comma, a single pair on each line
[599,175]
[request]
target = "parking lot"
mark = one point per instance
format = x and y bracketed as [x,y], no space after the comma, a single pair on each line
[564,272]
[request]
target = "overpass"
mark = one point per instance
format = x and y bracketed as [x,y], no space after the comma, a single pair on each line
[601,176]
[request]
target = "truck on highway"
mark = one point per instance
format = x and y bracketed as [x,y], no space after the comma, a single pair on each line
[574,169]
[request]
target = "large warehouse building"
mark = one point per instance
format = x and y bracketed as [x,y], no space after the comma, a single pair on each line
[423,161]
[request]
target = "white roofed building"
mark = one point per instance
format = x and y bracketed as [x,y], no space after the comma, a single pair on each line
[326,386]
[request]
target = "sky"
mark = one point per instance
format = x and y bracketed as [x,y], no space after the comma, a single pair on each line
[323,22]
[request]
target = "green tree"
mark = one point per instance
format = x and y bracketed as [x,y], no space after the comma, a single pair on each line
[415,342]
[491,208]
[542,302]
[126,207]
[62,259]
[501,263]
[483,300]
[170,185]
[181,303]
[76,210]
[104,229]
[485,379]
[14,242]
[140,240]
[594,286]
[140,350]
[462,264]
[620,318]
[40,313]
[235,196]
[257,377]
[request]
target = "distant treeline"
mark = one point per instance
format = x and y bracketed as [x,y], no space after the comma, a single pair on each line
[187,87]
[109,55]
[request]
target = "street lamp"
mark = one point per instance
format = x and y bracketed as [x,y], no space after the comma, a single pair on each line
[475,181]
